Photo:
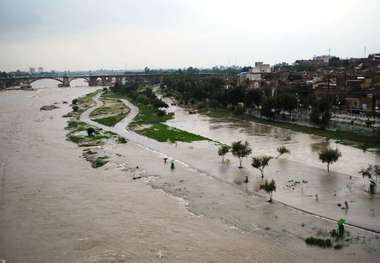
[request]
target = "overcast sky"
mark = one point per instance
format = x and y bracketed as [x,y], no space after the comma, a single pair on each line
[125,34]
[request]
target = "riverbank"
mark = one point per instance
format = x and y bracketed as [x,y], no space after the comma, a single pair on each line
[343,137]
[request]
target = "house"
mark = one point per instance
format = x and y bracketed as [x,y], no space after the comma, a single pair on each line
[254,77]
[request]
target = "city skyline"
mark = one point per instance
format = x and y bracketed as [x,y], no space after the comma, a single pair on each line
[90,35]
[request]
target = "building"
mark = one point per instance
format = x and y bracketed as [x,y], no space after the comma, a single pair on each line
[40,69]
[374,57]
[260,67]
[324,59]
[254,76]
[32,70]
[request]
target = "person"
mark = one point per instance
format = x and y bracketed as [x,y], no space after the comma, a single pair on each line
[172,165]
[165,160]
[346,204]
[316,197]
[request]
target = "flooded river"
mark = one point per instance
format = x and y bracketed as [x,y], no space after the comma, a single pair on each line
[55,207]
[265,139]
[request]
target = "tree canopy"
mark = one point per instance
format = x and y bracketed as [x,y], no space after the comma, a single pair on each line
[260,162]
[241,150]
[329,156]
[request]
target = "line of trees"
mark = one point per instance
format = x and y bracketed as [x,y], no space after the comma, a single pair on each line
[216,92]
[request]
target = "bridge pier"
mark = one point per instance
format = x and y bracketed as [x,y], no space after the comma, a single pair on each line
[65,82]
[119,80]
[3,85]
[93,81]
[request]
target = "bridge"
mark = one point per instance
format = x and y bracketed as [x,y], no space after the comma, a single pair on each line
[93,79]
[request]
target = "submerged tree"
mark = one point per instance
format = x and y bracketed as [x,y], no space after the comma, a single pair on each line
[241,150]
[282,150]
[223,150]
[372,172]
[260,162]
[329,156]
[269,187]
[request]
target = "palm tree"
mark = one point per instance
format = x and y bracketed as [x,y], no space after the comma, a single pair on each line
[329,156]
[223,150]
[282,150]
[269,187]
[372,172]
[260,162]
[241,150]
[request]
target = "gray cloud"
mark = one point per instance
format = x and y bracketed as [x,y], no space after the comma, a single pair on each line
[88,34]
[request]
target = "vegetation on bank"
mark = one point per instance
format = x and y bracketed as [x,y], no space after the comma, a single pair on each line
[78,131]
[152,115]
[361,141]
[210,96]
[112,111]
[164,133]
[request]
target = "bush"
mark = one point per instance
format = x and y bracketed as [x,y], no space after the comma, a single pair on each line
[338,246]
[320,242]
[74,101]
[161,113]
[75,108]
[121,140]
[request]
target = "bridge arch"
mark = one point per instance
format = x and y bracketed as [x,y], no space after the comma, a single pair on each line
[75,79]
[36,79]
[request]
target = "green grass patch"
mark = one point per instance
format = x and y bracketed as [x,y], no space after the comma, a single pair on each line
[110,120]
[77,128]
[113,110]
[164,133]
[217,113]
[149,115]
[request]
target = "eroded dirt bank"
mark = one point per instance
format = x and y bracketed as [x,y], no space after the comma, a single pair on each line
[55,208]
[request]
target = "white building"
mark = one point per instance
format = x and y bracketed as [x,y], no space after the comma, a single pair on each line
[260,67]
[254,75]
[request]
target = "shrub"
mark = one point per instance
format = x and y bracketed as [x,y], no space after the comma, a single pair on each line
[320,242]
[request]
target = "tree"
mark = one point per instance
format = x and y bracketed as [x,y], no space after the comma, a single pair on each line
[269,187]
[372,172]
[253,97]
[241,150]
[269,107]
[282,150]
[223,150]
[329,156]
[321,113]
[260,162]
[287,102]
